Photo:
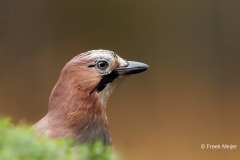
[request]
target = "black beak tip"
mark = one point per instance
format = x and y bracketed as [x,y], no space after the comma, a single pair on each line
[146,66]
[140,68]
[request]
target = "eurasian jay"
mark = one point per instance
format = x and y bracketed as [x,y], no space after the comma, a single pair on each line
[77,104]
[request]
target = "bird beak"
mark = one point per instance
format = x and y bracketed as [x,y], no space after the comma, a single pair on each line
[132,68]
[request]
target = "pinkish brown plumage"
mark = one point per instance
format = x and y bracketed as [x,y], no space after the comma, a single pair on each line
[77,104]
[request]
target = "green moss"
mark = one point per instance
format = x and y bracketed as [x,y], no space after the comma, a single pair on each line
[21,143]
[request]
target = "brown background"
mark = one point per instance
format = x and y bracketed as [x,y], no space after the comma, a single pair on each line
[188,97]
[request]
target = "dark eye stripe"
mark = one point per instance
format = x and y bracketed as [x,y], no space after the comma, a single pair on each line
[91,65]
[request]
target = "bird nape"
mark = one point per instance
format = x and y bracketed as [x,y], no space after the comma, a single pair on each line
[77,104]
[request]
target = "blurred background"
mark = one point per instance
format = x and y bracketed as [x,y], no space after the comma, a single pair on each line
[188,97]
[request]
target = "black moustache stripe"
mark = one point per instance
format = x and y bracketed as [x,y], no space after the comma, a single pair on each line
[109,78]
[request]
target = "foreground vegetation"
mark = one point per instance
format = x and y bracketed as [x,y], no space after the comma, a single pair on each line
[21,143]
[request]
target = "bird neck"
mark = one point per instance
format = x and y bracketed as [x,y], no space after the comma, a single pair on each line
[74,112]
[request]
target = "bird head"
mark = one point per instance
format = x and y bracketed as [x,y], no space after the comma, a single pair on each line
[77,105]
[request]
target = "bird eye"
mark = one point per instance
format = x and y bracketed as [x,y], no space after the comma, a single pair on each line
[102,65]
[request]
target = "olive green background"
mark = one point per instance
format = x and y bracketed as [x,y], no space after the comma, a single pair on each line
[189,96]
